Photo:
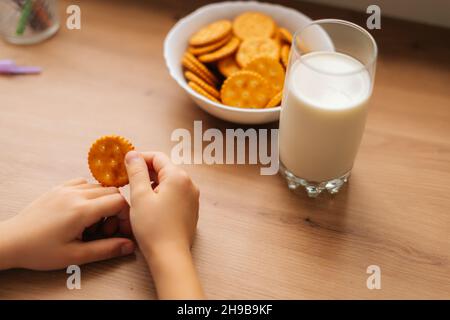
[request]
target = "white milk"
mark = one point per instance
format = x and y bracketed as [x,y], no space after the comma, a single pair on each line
[323,115]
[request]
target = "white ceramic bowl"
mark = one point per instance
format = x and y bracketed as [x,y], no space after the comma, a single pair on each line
[176,42]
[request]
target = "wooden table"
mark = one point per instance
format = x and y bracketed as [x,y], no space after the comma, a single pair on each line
[255,238]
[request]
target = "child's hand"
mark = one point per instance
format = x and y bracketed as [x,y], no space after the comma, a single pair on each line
[165,215]
[164,219]
[47,234]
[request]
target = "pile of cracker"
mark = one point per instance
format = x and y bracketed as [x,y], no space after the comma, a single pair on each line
[239,63]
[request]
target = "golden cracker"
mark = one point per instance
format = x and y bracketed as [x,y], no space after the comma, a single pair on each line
[106,160]
[204,85]
[221,53]
[277,37]
[211,33]
[269,69]
[201,91]
[228,66]
[284,53]
[188,65]
[204,69]
[253,25]
[256,47]
[200,66]
[196,51]
[285,35]
[245,89]
[194,69]
[275,101]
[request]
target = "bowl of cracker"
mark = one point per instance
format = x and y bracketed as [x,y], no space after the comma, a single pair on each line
[231,58]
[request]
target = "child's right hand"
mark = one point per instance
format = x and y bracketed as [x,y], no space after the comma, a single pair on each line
[164,219]
[166,215]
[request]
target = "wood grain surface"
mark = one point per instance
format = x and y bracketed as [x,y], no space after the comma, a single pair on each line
[255,238]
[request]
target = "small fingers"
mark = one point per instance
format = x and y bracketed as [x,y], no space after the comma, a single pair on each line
[160,163]
[157,160]
[138,175]
[106,206]
[74,182]
[93,193]
[97,250]
[89,186]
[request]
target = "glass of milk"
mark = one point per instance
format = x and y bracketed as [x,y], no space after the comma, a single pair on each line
[327,90]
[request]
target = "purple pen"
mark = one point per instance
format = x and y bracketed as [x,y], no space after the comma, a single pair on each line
[9,67]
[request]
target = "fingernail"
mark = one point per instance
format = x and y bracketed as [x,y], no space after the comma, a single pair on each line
[131,156]
[127,248]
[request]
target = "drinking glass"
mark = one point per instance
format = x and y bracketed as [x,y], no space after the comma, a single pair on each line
[328,85]
[28,21]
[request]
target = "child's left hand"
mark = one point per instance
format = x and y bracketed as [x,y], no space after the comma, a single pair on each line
[47,234]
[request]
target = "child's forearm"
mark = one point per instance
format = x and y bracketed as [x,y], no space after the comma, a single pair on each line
[7,250]
[174,273]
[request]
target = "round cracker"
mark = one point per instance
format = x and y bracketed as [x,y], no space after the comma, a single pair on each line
[201,91]
[275,101]
[269,69]
[228,66]
[199,67]
[284,53]
[285,35]
[253,25]
[245,89]
[106,160]
[221,53]
[211,33]
[256,47]
[277,37]
[196,51]
[201,83]
[188,65]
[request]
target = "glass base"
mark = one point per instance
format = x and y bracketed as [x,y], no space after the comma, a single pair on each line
[33,38]
[313,189]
